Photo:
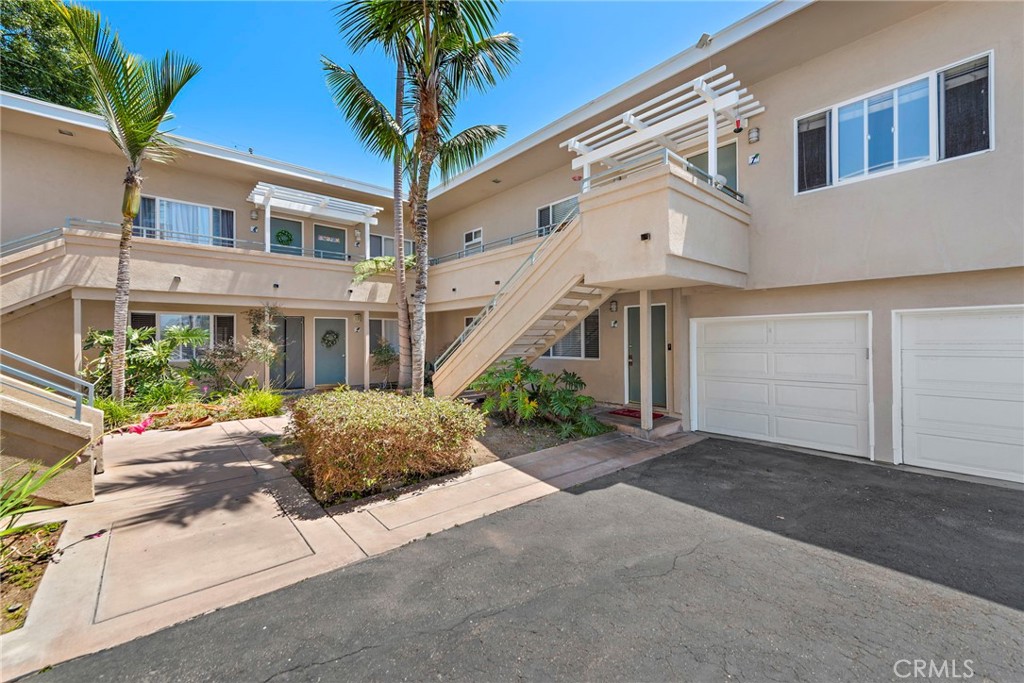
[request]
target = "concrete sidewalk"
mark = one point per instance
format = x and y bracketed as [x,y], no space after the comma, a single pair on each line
[189,522]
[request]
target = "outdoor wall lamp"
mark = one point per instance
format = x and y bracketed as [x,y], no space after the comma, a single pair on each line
[254,214]
[358,317]
[359,237]
[753,135]
[613,306]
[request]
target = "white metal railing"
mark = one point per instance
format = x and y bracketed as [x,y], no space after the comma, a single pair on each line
[79,390]
[662,157]
[536,233]
[505,288]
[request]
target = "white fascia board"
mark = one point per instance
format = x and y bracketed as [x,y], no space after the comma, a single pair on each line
[727,37]
[63,114]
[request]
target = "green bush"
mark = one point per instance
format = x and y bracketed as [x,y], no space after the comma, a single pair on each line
[148,359]
[518,393]
[364,442]
[116,415]
[251,402]
[169,390]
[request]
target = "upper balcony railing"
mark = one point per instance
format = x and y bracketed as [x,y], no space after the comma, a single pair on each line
[536,233]
[661,157]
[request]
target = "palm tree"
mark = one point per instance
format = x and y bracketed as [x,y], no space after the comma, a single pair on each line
[365,23]
[134,96]
[451,36]
[450,53]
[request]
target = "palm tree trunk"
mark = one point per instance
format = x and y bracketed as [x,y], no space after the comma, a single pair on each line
[419,315]
[404,340]
[129,210]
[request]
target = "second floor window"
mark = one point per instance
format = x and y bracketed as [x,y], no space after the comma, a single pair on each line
[382,245]
[940,115]
[185,222]
[473,241]
[552,215]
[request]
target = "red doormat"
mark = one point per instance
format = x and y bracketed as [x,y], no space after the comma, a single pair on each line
[634,413]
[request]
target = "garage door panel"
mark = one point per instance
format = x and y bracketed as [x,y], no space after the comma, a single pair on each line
[826,331]
[975,328]
[842,401]
[841,366]
[801,380]
[716,392]
[841,437]
[976,414]
[1000,371]
[962,391]
[737,423]
[735,363]
[967,455]
[734,332]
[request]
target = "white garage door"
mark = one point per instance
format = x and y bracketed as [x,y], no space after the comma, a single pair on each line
[963,391]
[800,380]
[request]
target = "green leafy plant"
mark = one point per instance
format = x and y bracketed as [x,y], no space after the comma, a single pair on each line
[379,265]
[169,390]
[518,393]
[18,494]
[116,414]
[251,401]
[148,358]
[385,357]
[223,368]
[363,442]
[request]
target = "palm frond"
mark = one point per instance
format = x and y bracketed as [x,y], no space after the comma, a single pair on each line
[463,150]
[371,121]
[481,64]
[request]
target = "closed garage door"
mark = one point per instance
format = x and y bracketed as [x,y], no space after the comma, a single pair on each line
[962,378]
[800,380]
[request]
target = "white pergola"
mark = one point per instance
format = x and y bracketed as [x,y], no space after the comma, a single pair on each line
[313,205]
[676,120]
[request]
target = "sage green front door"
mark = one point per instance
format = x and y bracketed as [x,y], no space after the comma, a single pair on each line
[658,355]
[330,358]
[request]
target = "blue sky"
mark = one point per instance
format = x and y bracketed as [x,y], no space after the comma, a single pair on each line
[262,86]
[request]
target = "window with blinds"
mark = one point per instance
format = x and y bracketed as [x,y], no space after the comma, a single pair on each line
[552,215]
[935,116]
[583,341]
[220,327]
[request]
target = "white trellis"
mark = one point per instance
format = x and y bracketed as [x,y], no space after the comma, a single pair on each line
[676,120]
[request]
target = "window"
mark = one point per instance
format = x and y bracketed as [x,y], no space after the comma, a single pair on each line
[220,327]
[895,128]
[583,341]
[381,245]
[552,215]
[329,243]
[383,330]
[185,222]
[285,236]
[726,163]
[473,241]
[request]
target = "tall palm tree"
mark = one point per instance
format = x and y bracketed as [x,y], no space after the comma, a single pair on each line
[134,96]
[444,47]
[364,23]
[449,54]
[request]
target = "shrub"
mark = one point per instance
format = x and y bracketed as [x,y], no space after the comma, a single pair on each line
[148,359]
[385,357]
[251,402]
[115,415]
[364,442]
[166,391]
[518,393]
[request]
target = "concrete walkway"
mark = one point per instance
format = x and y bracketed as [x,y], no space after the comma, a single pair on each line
[185,523]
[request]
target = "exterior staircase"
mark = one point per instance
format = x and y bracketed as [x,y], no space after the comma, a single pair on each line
[46,415]
[546,297]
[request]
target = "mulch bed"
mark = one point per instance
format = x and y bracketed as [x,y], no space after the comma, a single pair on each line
[23,565]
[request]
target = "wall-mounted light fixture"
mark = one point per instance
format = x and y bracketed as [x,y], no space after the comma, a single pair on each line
[254,214]
[277,285]
[613,306]
[753,135]
[359,238]
[358,317]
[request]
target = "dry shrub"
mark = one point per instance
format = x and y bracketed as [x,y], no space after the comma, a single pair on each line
[364,442]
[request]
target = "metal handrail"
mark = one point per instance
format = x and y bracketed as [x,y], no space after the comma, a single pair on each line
[88,388]
[662,157]
[536,233]
[29,241]
[512,280]
[77,396]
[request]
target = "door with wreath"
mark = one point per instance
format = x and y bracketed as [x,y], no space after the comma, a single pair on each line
[285,236]
[331,352]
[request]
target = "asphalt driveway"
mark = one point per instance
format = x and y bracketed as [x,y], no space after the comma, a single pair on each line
[725,561]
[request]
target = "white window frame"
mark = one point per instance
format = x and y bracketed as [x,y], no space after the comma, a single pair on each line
[550,352]
[475,242]
[211,329]
[383,323]
[158,226]
[408,243]
[933,125]
[550,206]
[344,242]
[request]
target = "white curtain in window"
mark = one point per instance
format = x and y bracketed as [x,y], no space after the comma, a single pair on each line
[182,222]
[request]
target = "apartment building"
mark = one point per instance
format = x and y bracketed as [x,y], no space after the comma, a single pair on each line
[842,273]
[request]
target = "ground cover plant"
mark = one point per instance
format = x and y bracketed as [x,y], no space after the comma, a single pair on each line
[519,394]
[360,443]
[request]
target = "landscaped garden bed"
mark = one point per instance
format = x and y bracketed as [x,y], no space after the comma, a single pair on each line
[26,556]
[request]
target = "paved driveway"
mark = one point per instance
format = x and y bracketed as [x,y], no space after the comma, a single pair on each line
[725,561]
